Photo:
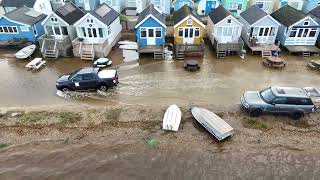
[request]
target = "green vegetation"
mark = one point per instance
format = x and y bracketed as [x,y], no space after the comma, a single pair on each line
[3,145]
[38,116]
[152,143]
[250,123]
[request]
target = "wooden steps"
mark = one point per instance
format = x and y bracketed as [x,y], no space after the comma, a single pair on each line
[266,54]
[49,50]
[306,54]
[180,56]
[222,54]
[87,52]
[158,55]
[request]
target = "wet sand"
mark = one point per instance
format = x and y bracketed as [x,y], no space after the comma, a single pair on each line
[107,138]
[107,146]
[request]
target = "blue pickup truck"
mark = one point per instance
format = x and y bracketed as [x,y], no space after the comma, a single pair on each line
[89,78]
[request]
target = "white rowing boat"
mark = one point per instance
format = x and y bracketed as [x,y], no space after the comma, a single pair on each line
[172,118]
[26,52]
[35,64]
[102,62]
[212,122]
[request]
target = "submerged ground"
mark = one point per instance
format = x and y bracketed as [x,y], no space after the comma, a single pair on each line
[117,135]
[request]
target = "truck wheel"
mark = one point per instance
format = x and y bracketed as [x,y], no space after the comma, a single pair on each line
[64,89]
[296,115]
[255,112]
[103,88]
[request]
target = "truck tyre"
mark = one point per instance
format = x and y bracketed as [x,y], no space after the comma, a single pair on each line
[296,115]
[255,112]
[65,89]
[103,87]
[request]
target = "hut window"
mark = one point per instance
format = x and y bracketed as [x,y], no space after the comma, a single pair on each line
[300,32]
[266,32]
[180,32]
[261,31]
[143,32]
[83,30]
[100,32]
[109,30]
[24,28]
[89,20]
[239,6]
[293,32]
[89,32]
[158,32]
[5,29]
[229,21]
[197,32]
[1,29]
[54,19]
[189,22]
[10,29]
[94,32]
[57,31]
[305,32]
[64,30]
[306,23]
[219,31]
[150,33]
[272,31]
[313,32]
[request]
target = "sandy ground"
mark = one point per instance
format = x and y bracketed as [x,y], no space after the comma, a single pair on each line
[72,142]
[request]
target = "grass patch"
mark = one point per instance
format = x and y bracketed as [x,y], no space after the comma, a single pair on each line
[41,116]
[152,143]
[3,145]
[251,123]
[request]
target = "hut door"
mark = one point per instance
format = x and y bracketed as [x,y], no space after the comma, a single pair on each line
[188,35]
[151,36]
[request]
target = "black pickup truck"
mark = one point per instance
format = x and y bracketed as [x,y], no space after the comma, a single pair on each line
[88,79]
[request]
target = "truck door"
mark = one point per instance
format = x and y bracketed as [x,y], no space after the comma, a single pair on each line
[88,81]
[75,84]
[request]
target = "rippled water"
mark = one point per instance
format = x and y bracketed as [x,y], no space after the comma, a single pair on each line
[149,81]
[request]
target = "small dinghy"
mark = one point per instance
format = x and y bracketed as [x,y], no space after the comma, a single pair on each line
[212,122]
[102,62]
[35,64]
[26,52]
[172,118]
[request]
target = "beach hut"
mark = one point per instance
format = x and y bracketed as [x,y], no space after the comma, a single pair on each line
[298,4]
[59,31]
[235,6]
[177,4]
[309,5]
[97,32]
[298,32]
[87,5]
[117,5]
[134,7]
[189,31]
[163,5]
[315,14]
[42,6]
[21,24]
[224,31]
[259,30]
[150,31]
[206,6]
[59,3]
[266,5]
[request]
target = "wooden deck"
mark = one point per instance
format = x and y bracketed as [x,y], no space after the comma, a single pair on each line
[263,47]
[299,49]
[150,49]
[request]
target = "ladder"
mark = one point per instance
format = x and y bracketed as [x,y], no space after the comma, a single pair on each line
[50,53]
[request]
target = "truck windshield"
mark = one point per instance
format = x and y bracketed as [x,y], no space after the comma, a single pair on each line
[267,95]
[73,74]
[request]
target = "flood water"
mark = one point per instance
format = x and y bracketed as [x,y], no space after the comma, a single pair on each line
[188,154]
[153,82]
